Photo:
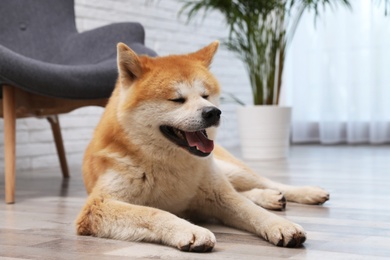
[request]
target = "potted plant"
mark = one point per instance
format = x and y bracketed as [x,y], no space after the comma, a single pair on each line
[259,33]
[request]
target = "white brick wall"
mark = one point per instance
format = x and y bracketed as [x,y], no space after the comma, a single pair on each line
[166,33]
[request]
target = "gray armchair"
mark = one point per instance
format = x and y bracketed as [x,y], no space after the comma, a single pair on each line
[48,68]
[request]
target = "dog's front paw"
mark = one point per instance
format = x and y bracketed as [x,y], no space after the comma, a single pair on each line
[266,198]
[282,232]
[194,239]
[307,195]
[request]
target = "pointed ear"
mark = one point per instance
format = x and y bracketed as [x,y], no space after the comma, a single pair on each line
[129,65]
[206,54]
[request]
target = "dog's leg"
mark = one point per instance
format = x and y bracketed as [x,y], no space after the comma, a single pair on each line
[244,179]
[224,203]
[251,186]
[109,218]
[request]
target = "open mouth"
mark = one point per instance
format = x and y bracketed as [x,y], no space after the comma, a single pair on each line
[196,143]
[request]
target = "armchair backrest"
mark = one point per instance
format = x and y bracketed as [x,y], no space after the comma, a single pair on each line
[36,28]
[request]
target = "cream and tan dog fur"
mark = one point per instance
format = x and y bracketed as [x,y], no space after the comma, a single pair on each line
[151,165]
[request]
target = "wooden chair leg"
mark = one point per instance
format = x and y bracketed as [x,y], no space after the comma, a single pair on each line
[56,129]
[9,115]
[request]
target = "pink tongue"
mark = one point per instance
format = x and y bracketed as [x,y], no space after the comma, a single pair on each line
[199,140]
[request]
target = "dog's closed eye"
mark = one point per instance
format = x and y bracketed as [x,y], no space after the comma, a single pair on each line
[178,100]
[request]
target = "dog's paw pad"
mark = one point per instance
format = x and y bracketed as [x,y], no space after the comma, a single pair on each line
[198,249]
[185,248]
[202,248]
[296,241]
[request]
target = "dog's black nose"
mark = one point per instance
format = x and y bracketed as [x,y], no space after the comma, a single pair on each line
[211,115]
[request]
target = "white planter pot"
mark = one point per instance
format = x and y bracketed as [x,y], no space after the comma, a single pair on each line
[264,131]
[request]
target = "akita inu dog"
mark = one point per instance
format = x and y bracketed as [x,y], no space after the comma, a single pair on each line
[152,163]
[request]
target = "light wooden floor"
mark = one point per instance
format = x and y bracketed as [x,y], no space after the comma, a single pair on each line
[354,224]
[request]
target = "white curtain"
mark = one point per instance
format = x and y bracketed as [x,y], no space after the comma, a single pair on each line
[337,76]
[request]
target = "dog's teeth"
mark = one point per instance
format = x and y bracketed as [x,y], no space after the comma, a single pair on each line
[178,133]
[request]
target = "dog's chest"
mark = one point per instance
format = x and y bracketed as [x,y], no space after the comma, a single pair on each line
[172,189]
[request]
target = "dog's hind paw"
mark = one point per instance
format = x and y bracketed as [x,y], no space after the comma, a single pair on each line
[266,198]
[307,195]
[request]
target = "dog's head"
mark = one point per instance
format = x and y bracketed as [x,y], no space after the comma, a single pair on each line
[171,101]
